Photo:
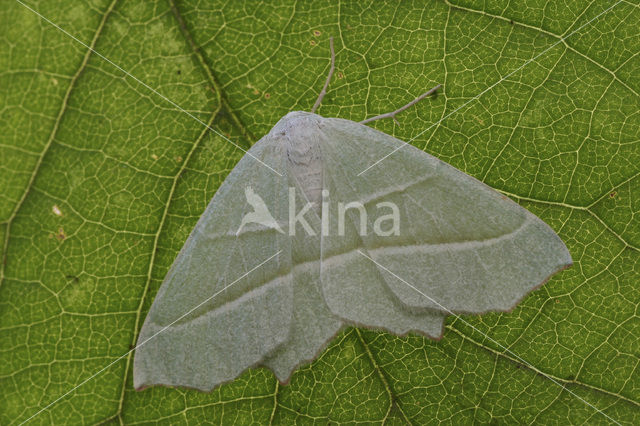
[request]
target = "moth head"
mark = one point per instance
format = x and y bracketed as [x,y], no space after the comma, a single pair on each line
[295,125]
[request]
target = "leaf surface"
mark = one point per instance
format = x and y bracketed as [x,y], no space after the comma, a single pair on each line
[103,179]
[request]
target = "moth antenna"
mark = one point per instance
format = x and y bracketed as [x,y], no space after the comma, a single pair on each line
[399,110]
[326,83]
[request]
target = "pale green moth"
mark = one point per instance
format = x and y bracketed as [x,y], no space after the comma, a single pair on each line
[262,281]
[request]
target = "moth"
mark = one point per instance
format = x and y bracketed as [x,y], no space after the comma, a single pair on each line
[325,223]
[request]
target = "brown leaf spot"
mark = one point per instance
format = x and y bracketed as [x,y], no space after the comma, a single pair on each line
[61,236]
[316,33]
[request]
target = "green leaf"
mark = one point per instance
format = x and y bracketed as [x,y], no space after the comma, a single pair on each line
[103,179]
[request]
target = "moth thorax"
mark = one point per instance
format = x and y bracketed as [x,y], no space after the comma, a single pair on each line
[306,167]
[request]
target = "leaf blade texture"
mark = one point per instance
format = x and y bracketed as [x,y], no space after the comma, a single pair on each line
[559,137]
